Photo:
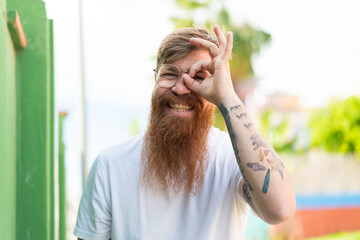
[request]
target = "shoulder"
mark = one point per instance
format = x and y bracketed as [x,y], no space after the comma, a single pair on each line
[124,151]
[126,146]
[218,139]
[220,148]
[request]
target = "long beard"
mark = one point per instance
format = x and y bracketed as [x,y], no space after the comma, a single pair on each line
[174,154]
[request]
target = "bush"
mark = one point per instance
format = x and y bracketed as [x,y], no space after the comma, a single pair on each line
[336,128]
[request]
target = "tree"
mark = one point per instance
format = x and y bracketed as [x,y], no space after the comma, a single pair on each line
[336,127]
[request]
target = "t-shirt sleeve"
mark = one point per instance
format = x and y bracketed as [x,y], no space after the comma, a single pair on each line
[94,214]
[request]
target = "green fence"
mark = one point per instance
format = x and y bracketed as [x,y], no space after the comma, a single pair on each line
[26,122]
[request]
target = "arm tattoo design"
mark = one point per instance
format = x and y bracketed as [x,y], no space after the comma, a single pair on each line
[256,167]
[249,126]
[266,182]
[257,141]
[226,115]
[268,154]
[239,112]
[247,197]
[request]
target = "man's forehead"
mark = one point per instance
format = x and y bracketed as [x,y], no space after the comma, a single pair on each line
[194,56]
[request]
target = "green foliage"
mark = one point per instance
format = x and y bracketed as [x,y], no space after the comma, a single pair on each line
[247,40]
[278,135]
[182,23]
[191,4]
[219,121]
[336,128]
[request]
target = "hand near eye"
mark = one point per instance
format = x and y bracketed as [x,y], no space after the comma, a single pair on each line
[218,86]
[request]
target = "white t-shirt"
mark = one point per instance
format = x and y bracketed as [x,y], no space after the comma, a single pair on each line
[114,205]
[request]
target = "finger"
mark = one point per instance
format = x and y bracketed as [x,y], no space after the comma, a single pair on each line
[198,66]
[202,43]
[192,84]
[220,36]
[229,45]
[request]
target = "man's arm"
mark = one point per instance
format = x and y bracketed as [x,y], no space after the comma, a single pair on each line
[266,184]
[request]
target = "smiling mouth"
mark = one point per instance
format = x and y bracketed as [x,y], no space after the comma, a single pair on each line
[180,107]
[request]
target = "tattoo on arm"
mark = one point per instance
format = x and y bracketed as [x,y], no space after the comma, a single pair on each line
[256,167]
[268,154]
[226,115]
[249,125]
[266,182]
[257,141]
[247,196]
[239,112]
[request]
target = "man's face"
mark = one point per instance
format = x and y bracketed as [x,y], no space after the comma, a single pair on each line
[175,144]
[176,108]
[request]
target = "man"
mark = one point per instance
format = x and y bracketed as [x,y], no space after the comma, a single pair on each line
[182,180]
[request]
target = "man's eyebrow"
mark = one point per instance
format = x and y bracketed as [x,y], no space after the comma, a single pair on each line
[173,69]
[202,71]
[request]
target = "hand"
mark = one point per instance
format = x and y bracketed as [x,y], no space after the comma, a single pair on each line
[218,86]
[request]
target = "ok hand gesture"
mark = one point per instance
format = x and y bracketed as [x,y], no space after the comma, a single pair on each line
[218,86]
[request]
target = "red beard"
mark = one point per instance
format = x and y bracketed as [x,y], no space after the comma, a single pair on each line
[175,148]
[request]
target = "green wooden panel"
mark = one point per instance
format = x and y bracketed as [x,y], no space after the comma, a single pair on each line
[52,128]
[7,131]
[34,125]
[62,180]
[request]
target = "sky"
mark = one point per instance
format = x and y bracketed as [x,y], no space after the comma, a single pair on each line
[314,53]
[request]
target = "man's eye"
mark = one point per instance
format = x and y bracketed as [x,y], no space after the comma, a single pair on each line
[199,78]
[169,75]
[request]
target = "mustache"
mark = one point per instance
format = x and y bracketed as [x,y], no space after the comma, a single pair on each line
[190,99]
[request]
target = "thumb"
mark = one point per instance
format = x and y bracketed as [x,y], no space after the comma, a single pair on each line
[192,84]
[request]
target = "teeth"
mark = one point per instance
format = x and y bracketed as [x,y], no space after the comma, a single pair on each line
[180,107]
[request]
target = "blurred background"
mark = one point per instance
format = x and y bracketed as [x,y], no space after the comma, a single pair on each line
[295,65]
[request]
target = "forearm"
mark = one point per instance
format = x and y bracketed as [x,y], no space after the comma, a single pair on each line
[267,185]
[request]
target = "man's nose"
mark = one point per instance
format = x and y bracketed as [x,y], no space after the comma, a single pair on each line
[180,88]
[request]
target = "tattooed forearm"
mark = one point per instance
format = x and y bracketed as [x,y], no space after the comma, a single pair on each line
[266,154]
[226,116]
[259,166]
